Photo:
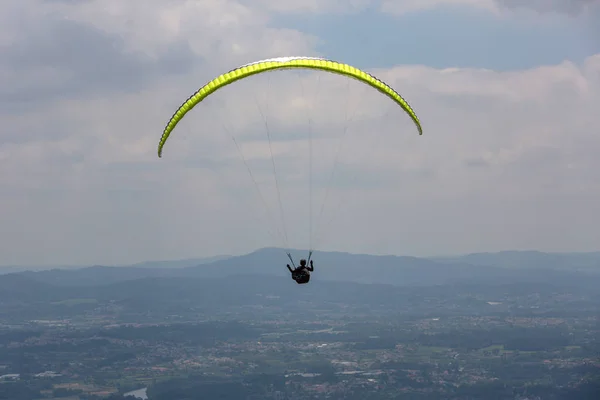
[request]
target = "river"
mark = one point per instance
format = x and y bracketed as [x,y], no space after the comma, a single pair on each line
[140,393]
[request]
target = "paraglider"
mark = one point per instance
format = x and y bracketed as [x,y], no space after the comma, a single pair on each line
[302,273]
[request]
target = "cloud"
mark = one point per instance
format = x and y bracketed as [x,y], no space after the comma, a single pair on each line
[314,6]
[74,48]
[572,7]
[407,6]
[66,58]
[507,159]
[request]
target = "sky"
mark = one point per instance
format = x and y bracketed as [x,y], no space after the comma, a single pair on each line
[507,92]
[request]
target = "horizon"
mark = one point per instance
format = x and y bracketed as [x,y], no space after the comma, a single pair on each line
[224,256]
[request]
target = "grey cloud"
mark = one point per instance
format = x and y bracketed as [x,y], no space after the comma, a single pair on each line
[51,129]
[80,59]
[572,7]
[540,157]
[66,1]
[476,163]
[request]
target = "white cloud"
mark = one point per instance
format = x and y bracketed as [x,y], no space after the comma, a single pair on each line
[315,6]
[507,159]
[572,7]
[399,7]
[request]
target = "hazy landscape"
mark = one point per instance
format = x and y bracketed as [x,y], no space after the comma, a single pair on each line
[485,326]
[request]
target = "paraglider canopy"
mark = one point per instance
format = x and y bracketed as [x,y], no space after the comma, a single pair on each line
[271,64]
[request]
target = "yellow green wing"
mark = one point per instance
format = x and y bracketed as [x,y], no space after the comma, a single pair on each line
[283,63]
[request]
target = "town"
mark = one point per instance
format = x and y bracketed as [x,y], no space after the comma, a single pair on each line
[436,342]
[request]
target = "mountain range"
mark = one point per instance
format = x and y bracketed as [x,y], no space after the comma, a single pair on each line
[502,267]
[261,278]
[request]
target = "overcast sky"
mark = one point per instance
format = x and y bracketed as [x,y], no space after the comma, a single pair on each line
[508,92]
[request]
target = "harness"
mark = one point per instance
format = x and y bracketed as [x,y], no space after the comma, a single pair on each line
[303,275]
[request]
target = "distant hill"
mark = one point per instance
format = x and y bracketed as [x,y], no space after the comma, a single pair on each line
[190,262]
[167,264]
[11,269]
[93,276]
[15,287]
[343,267]
[589,262]
[261,279]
